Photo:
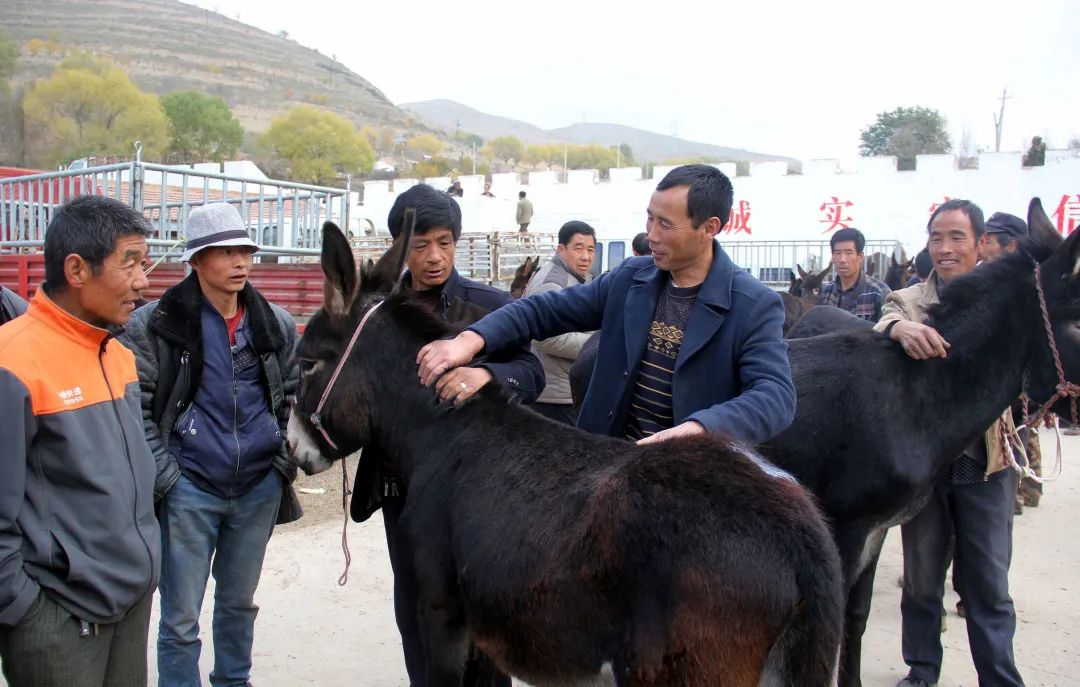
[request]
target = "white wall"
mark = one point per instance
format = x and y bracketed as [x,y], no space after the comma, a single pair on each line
[885,204]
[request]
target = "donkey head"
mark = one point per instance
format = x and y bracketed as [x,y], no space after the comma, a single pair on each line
[899,273]
[329,423]
[523,275]
[1060,278]
[808,285]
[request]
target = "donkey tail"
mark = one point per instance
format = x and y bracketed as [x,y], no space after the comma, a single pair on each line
[806,651]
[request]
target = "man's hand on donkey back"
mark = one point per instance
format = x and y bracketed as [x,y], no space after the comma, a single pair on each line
[439,357]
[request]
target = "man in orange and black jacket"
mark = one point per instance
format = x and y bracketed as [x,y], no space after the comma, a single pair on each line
[79,544]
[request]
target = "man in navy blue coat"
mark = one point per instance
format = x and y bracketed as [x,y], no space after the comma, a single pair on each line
[689,342]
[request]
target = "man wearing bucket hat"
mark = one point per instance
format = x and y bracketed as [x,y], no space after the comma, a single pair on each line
[216,364]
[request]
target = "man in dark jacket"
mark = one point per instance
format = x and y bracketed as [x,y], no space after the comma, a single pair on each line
[216,364]
[689,342]
[79,544]
[11,305]
[431,275]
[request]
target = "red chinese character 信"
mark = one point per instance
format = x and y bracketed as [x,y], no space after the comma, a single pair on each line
[1068,214]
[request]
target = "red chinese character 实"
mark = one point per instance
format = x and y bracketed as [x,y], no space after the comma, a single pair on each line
[740,219]
[834,214]
[1068,214]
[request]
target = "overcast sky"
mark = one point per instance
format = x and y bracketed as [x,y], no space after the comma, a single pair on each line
[798,79]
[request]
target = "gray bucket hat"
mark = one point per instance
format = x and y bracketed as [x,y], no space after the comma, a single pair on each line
[216,224]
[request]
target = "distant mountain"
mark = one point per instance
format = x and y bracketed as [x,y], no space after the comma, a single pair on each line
[647,145]
[167,46]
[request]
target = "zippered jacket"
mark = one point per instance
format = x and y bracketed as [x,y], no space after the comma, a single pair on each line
[238,409]
[76,496]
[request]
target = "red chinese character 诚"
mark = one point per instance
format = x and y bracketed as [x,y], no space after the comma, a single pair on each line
[834,214]
[1068,214]
[739,219]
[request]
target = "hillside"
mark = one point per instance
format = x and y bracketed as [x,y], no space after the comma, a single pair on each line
[647,145]
[168,46]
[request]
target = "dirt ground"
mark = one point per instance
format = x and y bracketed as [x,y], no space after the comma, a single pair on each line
[313,632]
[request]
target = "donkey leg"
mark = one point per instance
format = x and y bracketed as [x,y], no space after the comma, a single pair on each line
[860,553]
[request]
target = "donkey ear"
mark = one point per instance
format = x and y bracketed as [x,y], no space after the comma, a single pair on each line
[802,272]
[388,271]
[340,286]
[1043,234]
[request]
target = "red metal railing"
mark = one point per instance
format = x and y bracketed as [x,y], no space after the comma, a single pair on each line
[295,287]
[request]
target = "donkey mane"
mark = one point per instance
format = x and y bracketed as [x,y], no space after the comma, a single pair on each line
[416,319]
[968,302]
[406,310]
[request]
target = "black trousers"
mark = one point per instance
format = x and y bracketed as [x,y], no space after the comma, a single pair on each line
[479,671]
[46,649]
[979,516]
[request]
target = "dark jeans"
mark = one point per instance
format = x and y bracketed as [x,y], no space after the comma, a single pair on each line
[564,413]
[479,671]
[46,650]
[980,517]
[195,527]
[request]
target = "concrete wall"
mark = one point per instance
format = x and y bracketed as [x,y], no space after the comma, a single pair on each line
[884,203]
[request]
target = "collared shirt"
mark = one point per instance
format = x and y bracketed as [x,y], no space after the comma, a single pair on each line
[863,300]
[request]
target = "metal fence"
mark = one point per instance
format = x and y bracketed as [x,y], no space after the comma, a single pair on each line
[774,262]
[278,214]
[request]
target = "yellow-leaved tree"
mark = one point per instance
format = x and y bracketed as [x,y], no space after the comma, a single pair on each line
[89,106]
[317,144]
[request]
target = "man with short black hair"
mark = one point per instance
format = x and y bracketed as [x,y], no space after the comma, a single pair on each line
[79,543]
[690,343]
[972,504]
[853,289]
[438,286]
[569,266]
[923,267]
[640,245]
[216,365]
[524,212]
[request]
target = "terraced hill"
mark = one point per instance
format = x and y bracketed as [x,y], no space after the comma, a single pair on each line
[168,46]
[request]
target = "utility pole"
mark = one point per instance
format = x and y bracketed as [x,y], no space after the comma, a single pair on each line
[618,156]
[474,157]
[999,120]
